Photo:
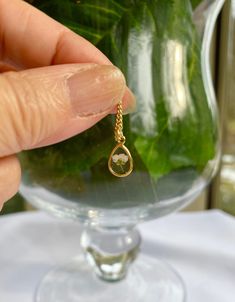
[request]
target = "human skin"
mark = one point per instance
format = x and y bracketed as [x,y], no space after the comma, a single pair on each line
[53,85]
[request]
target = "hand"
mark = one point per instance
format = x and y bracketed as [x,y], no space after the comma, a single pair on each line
[53,84]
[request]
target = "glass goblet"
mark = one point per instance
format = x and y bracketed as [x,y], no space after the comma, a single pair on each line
[163,49]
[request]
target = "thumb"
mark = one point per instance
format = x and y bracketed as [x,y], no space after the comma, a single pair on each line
[57,101]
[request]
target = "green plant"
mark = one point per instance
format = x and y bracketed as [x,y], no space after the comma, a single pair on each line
[115,26]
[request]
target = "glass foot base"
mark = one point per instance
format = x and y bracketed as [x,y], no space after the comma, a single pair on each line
[148,280]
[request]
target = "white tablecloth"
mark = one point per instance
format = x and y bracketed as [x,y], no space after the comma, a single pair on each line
[200,246]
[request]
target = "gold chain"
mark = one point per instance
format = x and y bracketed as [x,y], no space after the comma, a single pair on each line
[119,137]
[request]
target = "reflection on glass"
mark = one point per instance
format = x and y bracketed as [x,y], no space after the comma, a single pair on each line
[140,52]
[175,79]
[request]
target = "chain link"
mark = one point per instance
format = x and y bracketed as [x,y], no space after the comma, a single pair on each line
[119,137]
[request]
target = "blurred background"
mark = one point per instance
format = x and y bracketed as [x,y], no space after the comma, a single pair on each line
[221,193]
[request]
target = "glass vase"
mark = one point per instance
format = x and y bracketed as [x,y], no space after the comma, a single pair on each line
[163,48]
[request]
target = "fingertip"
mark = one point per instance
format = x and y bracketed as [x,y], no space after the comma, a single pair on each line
[10,175]
[128,102]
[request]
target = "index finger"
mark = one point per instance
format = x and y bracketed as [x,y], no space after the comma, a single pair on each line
[29,39]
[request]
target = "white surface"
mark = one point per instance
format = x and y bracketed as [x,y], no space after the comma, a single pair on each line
[201,247]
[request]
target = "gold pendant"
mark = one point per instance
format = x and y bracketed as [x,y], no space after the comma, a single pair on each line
[120,161]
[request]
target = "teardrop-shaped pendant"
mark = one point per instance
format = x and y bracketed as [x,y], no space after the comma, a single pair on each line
[120,161]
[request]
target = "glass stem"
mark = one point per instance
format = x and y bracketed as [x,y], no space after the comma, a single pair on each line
[110,251]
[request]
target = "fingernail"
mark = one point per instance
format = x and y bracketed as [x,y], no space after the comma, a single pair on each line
[96,90]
